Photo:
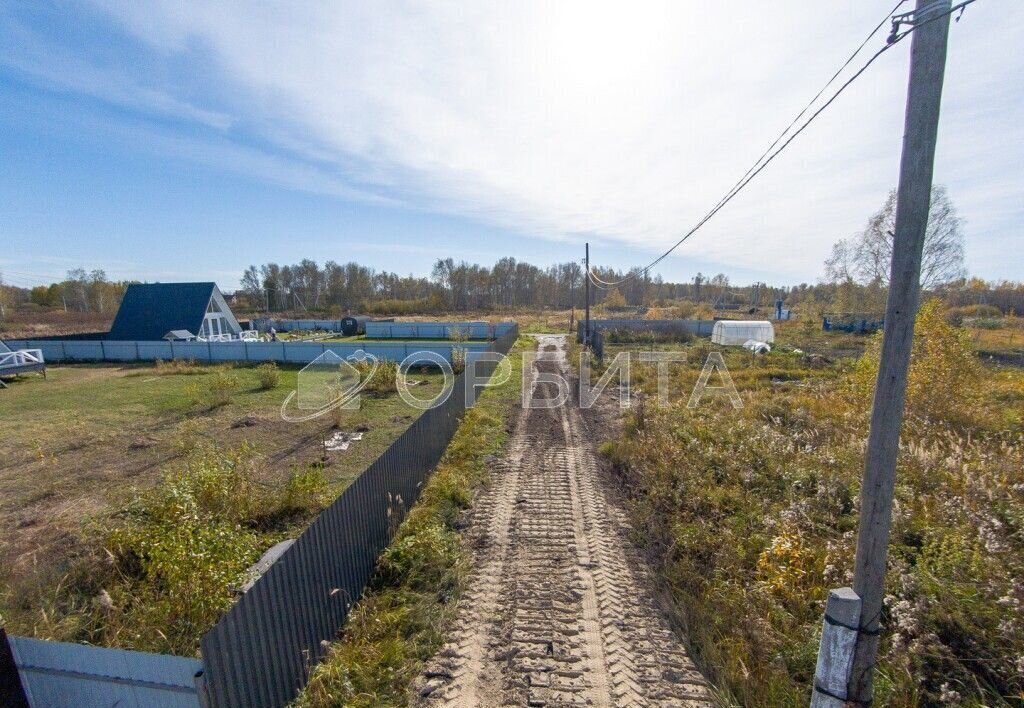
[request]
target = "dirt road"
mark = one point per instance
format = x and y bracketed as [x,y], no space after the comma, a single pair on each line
[558,609]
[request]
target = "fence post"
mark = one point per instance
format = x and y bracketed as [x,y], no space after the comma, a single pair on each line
[11,692]
[835,653]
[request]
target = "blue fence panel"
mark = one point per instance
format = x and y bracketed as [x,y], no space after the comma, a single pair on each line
[149,351]
[63,675]
[199,351]
[264,351]
[228,351]
[120,351]
[700,328]
[302,352]
[82,351]
[435,330]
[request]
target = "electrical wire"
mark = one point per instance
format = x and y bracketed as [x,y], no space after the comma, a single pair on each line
[761,163]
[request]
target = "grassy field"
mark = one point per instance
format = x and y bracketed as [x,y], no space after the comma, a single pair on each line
[750,517]
[82,447]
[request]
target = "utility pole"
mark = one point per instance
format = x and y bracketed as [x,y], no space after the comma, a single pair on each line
[572,301]
[924,94]
[586,260]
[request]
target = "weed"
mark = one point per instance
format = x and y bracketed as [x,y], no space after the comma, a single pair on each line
[222,387]
[268,376]
[383,379]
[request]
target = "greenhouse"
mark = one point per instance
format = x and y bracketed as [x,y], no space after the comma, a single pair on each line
[739,332]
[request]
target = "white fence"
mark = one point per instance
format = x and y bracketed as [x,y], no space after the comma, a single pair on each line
[234,351]
[21,358]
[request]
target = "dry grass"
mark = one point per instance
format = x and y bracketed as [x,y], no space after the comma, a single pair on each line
[751,517]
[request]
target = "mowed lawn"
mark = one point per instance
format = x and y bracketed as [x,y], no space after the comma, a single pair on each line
[79,445]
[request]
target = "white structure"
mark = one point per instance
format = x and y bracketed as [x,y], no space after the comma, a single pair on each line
[20,361]
[739,332]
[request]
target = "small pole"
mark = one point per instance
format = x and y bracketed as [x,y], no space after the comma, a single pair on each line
[586,334]
[572,302]
[924,95]
[835,653]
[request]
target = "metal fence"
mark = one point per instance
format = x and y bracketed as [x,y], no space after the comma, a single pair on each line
[63,675]
[699,328]
[389,329]
[436,330]
[236,351]
[262,651]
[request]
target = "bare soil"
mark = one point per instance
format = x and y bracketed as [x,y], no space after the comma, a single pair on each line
[559,609]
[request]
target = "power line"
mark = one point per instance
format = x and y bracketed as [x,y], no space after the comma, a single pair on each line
[894,38]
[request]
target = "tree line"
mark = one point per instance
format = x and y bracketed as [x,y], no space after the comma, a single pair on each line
[80,291]
[856,280]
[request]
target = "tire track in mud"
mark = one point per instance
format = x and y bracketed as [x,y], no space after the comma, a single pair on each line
[558,610]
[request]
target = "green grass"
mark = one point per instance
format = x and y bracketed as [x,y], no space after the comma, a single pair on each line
[81,447]
[400,620]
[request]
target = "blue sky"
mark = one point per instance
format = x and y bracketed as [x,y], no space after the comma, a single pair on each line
[180,141]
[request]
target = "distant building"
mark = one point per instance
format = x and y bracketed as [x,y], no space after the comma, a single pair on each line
[151,312]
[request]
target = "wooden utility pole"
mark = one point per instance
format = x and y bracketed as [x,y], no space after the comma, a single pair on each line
[586,332]
[924,94]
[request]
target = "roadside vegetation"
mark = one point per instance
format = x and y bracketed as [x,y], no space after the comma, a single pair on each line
[401,618]
[751,515]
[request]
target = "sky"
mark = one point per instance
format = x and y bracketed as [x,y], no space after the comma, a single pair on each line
[166,141]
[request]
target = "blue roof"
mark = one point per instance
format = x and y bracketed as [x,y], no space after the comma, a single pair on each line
[149,311]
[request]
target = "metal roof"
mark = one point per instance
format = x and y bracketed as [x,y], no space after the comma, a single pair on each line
[149,311]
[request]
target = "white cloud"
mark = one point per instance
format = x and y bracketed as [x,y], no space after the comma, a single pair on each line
[621,121]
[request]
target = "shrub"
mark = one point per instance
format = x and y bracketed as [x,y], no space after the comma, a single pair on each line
[307,489]
[222,386]
[943,368]
[957,315]
[382,379]
[268,376]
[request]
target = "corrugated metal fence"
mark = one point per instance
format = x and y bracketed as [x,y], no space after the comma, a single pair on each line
[699,328]
[396,330]
[63,675]
[262,651]
[436,330]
